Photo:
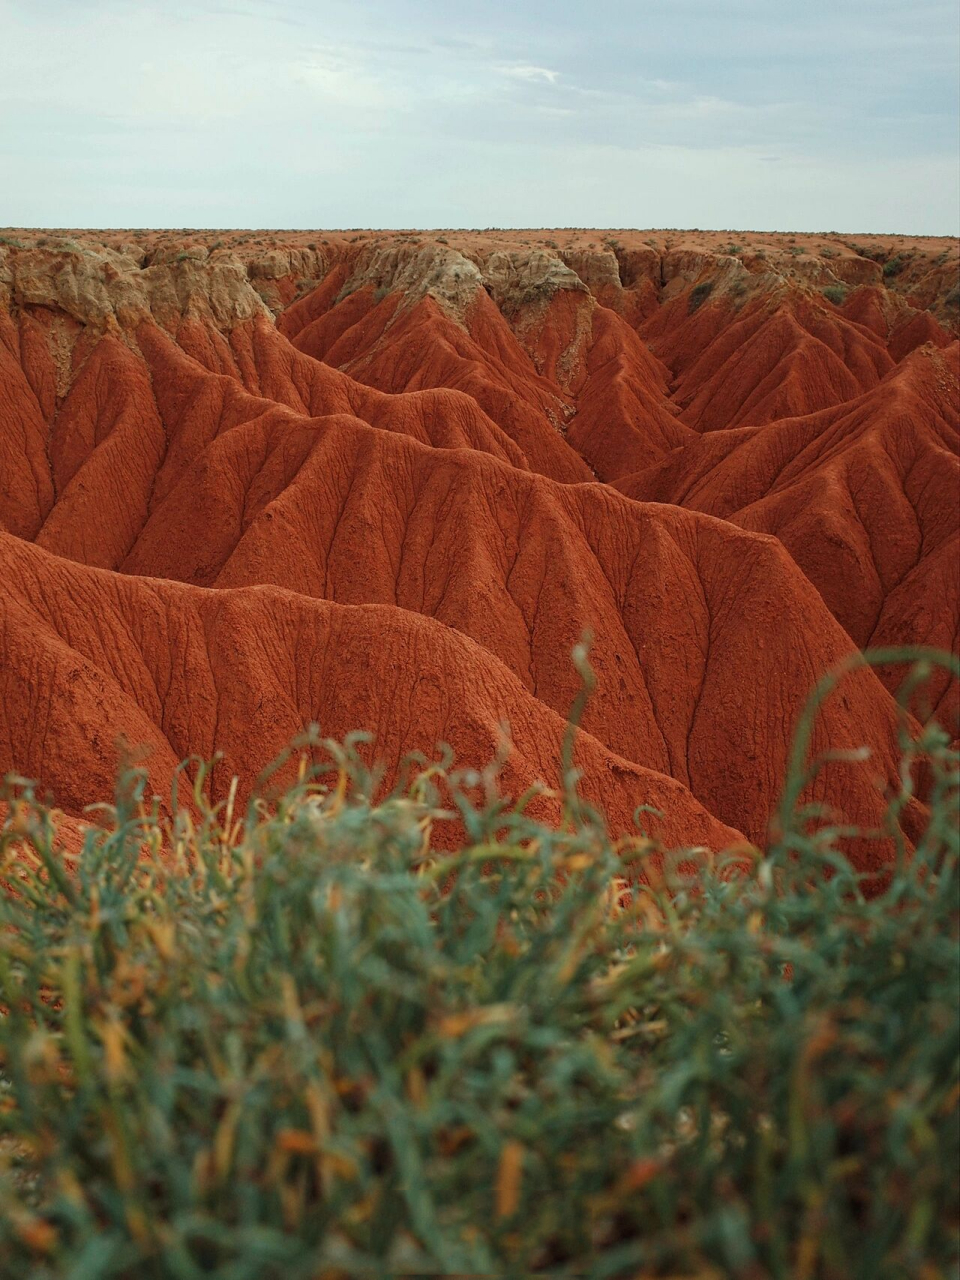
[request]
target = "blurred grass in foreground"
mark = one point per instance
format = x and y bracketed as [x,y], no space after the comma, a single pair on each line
[303,1044]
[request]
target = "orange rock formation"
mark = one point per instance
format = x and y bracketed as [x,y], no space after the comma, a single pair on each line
[385,481]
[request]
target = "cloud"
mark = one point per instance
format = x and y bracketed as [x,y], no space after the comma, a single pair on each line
[533,75]
[343,80]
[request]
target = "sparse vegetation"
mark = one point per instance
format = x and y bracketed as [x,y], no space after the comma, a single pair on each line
[699,294]
[835,293]
[893,266]
[301,1043]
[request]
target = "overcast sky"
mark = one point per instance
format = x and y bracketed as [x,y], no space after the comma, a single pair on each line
[811,115]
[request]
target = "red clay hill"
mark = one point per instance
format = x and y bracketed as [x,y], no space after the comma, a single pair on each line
[385,481]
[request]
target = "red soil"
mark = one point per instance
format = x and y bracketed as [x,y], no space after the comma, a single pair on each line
[360,481]
[863,495]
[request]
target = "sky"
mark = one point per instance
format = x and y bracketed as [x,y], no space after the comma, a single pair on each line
[820,115]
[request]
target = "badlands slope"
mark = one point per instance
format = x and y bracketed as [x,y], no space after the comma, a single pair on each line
[385,480]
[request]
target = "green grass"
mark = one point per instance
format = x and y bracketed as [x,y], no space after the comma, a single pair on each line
[302,1043]
[835,293]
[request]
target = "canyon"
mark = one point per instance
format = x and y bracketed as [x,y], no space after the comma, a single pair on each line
[386,481]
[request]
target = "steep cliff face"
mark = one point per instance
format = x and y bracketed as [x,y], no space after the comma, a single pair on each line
[385,481]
